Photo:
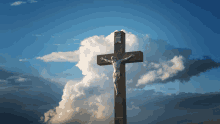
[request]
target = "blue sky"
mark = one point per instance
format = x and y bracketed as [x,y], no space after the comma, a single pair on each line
[36,34]
[32,29]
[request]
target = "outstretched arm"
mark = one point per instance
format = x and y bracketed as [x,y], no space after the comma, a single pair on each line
[105,59]
[127,57]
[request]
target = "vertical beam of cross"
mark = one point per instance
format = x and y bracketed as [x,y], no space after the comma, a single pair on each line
[119,53]
[120,99]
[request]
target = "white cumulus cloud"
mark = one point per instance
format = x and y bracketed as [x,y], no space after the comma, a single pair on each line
[17,3]
[61,57]
[162,70]
[90,100]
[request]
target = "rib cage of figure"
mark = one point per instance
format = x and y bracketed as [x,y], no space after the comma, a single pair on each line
[116,66]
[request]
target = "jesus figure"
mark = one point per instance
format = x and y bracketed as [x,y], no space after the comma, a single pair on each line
[116,65]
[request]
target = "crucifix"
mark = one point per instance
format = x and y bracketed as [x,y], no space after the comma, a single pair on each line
[118,60]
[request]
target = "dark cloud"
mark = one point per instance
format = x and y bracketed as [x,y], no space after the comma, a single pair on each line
[16,66]
[175,109]
[6,74]
[194,68]
[198,101]
[170,53]
[17,80]
[25,98]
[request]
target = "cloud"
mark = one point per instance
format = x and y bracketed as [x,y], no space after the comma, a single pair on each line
[4,74]
[17,3]
[61,57]
[162,71]
[58,77]
[20,79]
[23,60]
[32,1]
[182,108]
[3,81]
[92,97]
[194,68]
[25,98]
[16,80]
[163,63]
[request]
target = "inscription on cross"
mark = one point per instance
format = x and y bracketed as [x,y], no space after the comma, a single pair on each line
[118,60]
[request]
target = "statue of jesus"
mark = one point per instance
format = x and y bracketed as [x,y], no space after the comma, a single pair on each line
[116,65]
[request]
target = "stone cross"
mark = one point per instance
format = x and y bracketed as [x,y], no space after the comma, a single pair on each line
[128,57]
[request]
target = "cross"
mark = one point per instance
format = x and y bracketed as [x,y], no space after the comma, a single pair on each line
[119,53]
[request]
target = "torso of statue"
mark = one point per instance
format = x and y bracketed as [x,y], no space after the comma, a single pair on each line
[116,65]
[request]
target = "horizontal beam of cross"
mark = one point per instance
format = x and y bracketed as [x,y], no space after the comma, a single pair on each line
[138,57]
